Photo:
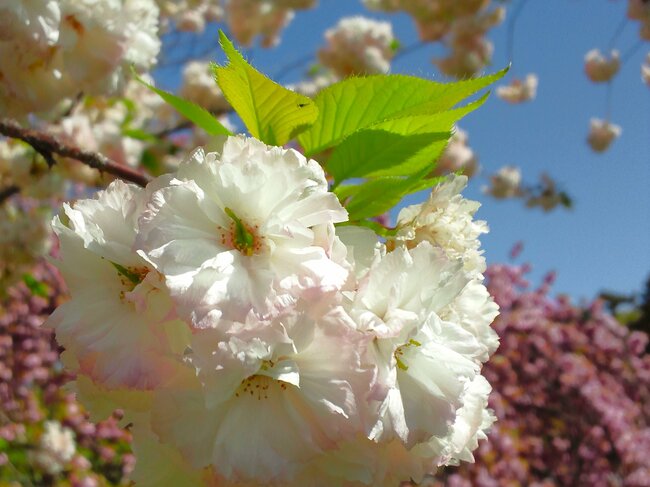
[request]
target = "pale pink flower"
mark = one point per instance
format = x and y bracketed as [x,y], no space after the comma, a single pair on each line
[600,69]
[234,231]
[602,133]
[505,183]
[519,91]
[358,45]
[120,325]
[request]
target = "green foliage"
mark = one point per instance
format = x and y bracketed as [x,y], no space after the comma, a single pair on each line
[194,113]
[271,112]
[397,147]
[378,137]
[36,287]
[359,103]
[377,196]
[387,130]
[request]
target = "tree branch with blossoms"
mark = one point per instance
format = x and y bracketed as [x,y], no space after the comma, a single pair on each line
[48,146]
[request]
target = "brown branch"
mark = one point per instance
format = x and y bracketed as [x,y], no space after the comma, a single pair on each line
[46,145]
[8,192]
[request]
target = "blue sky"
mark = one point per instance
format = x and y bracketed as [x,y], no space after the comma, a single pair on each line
[604,241]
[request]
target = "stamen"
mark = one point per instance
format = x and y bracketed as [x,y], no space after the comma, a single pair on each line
[400,351]
[240,236]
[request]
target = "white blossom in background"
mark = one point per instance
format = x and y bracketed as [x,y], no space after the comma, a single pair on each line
[469,49]
[14,163]
[505,183]
[434,20]
[358,45]
[56,448]
[600,69]
[248,19]
[458,156]
[602,133]
[312,86]
[99,125]
[65,48]
[461,25]
[20,167]
[250,341]
[645,70]
[199,86]
[24,236]
[640,10]
[189,15]
[519,91]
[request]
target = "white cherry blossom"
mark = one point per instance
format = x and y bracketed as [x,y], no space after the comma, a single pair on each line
[234,231]
[446,220]
[120,324]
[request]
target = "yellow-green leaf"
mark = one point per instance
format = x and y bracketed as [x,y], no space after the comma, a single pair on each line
[194,113]
[271,112]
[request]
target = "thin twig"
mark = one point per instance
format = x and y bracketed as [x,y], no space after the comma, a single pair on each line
[172,130]
[46,145]
[617,33]
[625,57]
[608,101]
[511,31]
[288,68]
[410,49]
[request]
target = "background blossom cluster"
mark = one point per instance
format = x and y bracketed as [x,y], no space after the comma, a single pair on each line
[571,388]
[46,436]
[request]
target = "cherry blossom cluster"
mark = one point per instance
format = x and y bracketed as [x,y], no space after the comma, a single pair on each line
[507,183]
[519,91]
[199,87]
[602,133]
[20,167]
[462,26]
[113,126]
[46,437]
[248,19]
[600,69]
[458,156]
[24,236]
[62,48]
[189,15]
[357,46]
[571,394]
[98,125]
[639,10]
[249,340]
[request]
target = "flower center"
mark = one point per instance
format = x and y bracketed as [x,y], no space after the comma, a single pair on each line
[241,236]
[260,386]
[130,277]
[403,349]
